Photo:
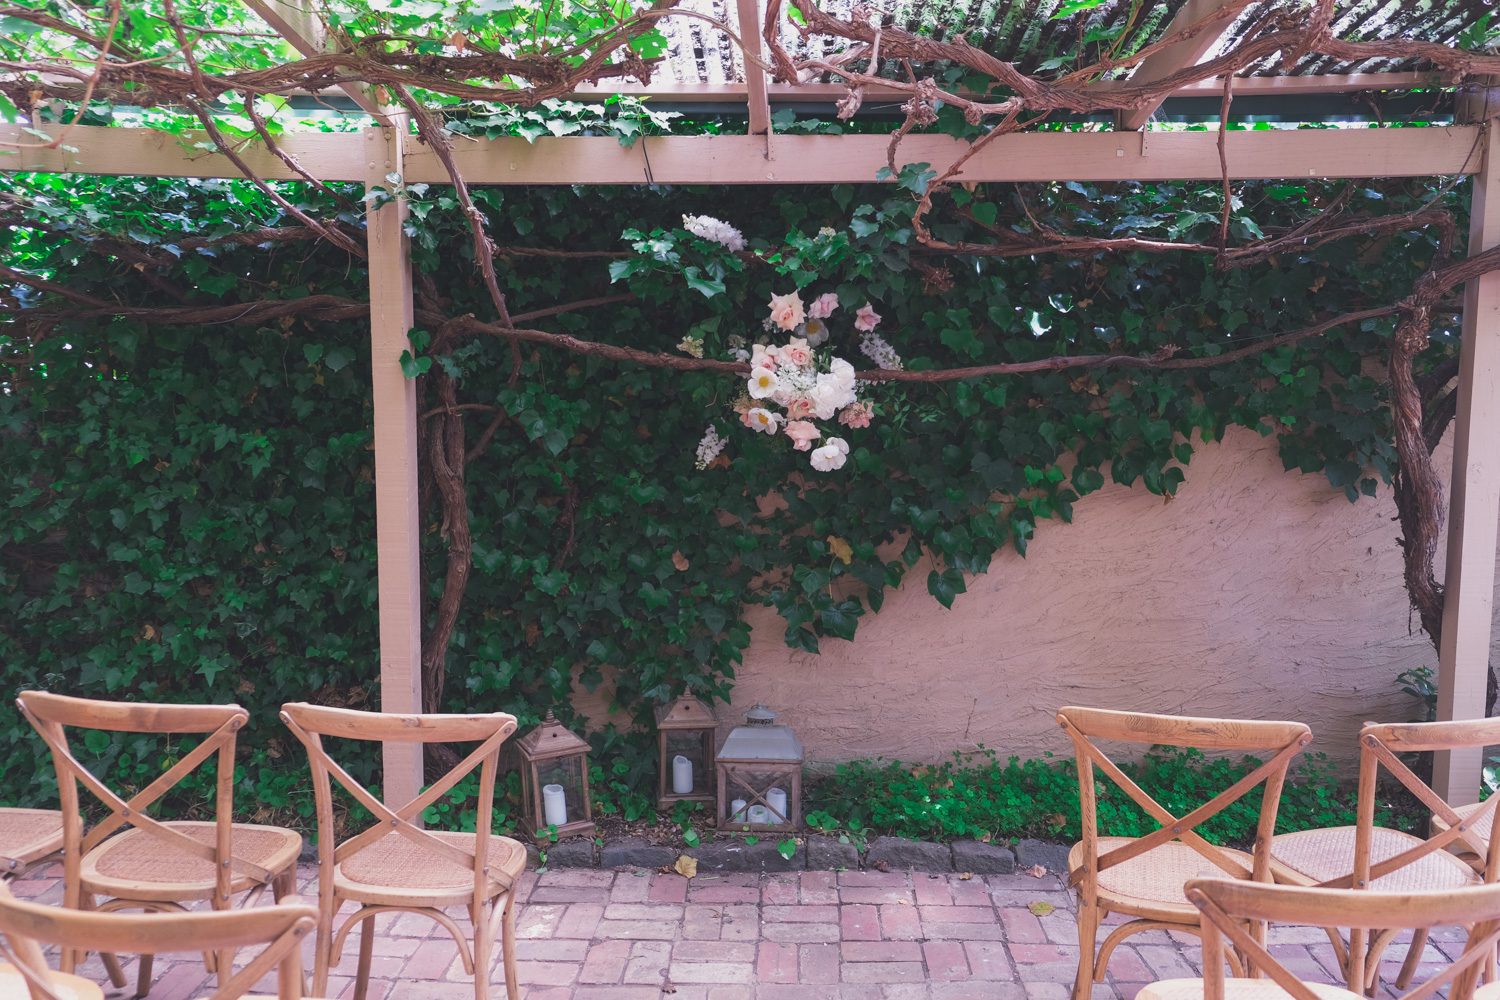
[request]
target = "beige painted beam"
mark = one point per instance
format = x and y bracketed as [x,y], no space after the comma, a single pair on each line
[295,21]
[1474,504]
[801,159]
[671,90]
[397,531]
[1169,60]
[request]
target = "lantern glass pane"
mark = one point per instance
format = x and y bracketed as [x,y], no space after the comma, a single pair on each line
[773,787]
[562,790]
[687,744]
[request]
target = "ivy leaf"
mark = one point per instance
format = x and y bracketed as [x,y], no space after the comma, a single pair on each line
[96,742]
[946,586]
[690,837]
[412,367]
[984,212]
[337,358]
[708,286]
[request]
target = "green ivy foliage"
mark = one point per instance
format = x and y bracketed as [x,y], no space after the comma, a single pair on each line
[191,509]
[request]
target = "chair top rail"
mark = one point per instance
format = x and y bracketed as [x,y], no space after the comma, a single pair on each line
[1405,737]
[139,933]
[391,728]
[1348,908]
[129,717]
[1184,731]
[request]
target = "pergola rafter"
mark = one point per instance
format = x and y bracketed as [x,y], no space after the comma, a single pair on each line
[390,154]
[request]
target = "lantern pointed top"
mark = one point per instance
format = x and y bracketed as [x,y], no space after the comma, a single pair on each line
[551,739]
[684,712]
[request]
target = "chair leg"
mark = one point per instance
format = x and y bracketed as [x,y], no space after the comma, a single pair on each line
[508,946]
[366,951]
[322,949]
[1088,931]
[285,884]
[111,963]
[484,950]
[1413,956]
[143,976]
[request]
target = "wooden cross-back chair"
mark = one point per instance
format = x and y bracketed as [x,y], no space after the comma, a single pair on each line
[281,929]
[395,864]
[1143,877]
[1227,909]
[154,865]
[1366,856]
[28,836]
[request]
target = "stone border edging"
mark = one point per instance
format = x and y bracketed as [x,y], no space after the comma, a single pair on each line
[818,853]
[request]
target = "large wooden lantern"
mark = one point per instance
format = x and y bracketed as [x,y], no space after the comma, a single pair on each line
[554,780]
[685,752]
[760,776]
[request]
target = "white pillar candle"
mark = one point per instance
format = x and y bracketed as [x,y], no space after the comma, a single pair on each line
[737,811]
[554,805]
[760,814]
[682,775]
[776,799]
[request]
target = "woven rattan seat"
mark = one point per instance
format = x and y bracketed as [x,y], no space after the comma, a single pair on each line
[27,836]
[13,986]
[1237,989]
[1310,857]
[136,865]
[395,864]
[1150,885]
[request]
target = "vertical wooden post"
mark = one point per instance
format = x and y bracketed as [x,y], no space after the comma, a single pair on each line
[755,77]
[396,527]
[1474,508]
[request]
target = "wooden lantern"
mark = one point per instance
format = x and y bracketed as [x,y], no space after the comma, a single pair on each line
[685,732]
[760,776]
[554,780]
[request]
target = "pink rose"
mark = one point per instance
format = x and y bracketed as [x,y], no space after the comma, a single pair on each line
[795,354]
[823,306]
[857,415]
[786,311]
[866,318]
[801,405]
[803,434]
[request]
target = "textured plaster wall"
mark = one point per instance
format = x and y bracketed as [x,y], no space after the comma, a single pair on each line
[1256,593]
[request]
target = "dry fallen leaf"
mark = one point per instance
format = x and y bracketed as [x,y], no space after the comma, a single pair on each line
[966,876]
[687,867]
[1035,871]
[1039,908]
[904,902]
[840,549]
[680,561]
[881,866]
[668,988]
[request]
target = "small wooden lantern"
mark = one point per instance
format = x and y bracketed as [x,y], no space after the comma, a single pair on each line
[685,752]
[554,780]
[760,776]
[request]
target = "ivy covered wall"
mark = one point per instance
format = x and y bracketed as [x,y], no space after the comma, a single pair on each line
[191,510]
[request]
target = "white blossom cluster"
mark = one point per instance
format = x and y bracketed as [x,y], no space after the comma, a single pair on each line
[708,228]
[874,347]
[709,447]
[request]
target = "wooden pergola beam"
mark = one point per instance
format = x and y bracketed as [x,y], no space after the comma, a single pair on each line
[1254,86]
[756,94]
[801,159]
[1169,60]
[298,24]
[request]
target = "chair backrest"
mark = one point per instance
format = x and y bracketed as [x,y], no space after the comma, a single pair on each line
[1225,907]
[220,725]
[1283,740]
[1379,746]
[280,928]
[312,722]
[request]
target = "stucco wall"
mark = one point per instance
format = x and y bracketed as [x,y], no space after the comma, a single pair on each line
[1255,593]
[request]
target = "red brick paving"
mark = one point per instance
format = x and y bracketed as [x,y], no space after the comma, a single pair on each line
[628,935]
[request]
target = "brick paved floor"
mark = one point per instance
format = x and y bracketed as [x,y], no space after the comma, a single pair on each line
[637,935]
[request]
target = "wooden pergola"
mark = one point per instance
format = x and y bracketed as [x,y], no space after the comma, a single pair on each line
[761,157]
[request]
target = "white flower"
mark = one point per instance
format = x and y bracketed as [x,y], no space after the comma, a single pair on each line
[828,397]
[763,420]
[709,447]
[708,228]
[762,356]
[842,371]
[872,346]
[763,383]
[814,331]
[830,456]
[840,444]
[740,354]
